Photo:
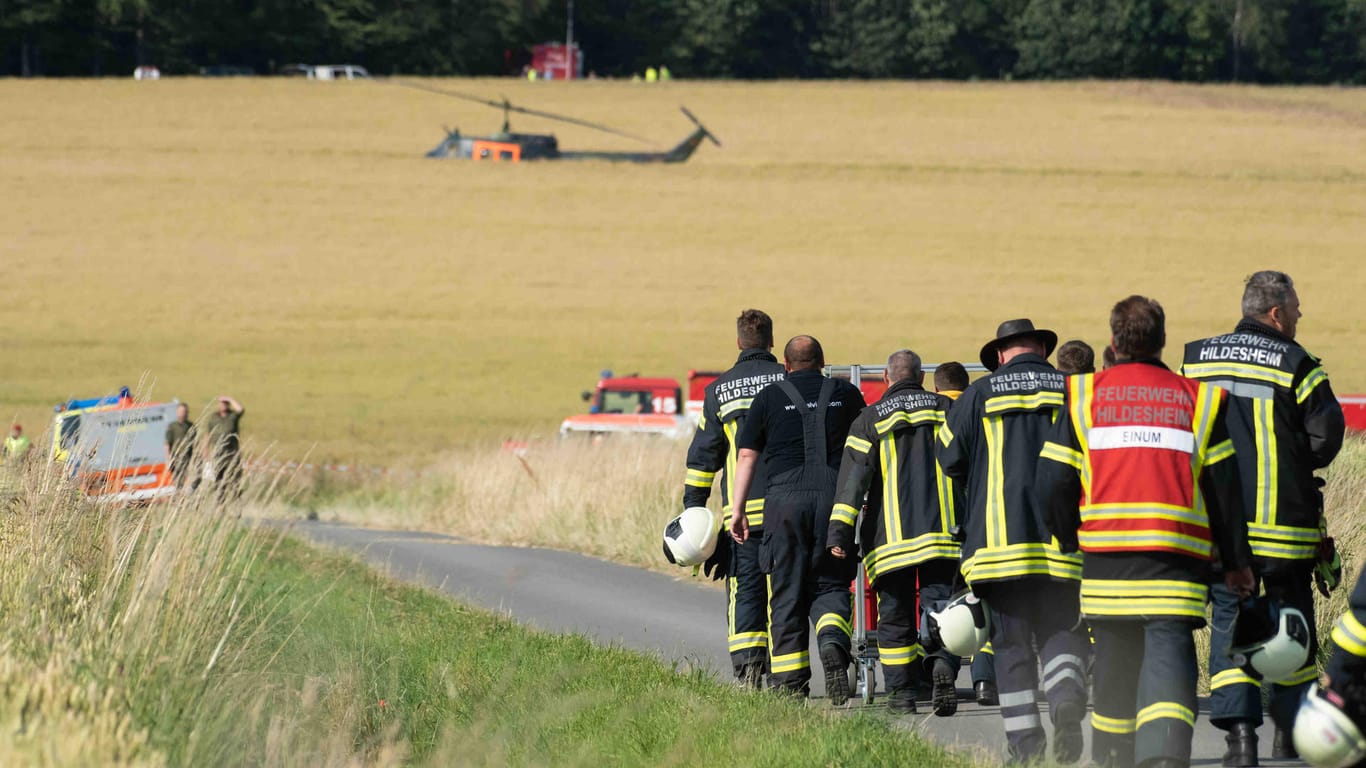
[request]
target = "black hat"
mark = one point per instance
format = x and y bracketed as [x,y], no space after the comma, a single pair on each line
[1011,330]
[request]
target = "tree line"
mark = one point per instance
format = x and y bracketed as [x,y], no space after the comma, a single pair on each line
[1271,41]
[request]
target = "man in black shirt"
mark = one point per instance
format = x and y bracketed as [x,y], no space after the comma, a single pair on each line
[800,425]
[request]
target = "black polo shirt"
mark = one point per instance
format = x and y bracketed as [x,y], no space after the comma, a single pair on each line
[774,427]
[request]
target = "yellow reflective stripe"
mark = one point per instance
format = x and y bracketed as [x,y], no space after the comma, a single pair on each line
[899,656]
[1306,387]
[1165,710]
[1030,559]
[1219,452]
[1099,541]
[1304,675]
[1263,426]
[944,486]
[731,429]
[994,430]
[1350,635]
[1121,597]
[843,513]
[1082,390]
[1239,370]
[755,520]
[829,620]
[945,434]
[734,405]
[891,488]
[857,444]
[987,649]
[733,584]
[1113,724]
[699,479]
[1041,399]
[745,640]
[1283,542]
[1137,510]
[790,662]
[1061,454]
[1233,676]
[929,546]
[914,419]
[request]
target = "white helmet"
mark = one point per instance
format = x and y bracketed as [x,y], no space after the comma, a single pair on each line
[690,538]
[1324,735]
[1270,640]
[962,626]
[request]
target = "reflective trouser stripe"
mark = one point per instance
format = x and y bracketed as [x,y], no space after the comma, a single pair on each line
[790,662]
[1350,635]
[1165,709]
[744,640]
[1116,725]
[1234,676]
[899,656]
[835,621]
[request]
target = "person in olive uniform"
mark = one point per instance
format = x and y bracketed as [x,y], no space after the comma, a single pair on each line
[224,447]
[180,439]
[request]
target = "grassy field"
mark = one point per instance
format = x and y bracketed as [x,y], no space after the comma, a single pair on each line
[285,241]
[171,635]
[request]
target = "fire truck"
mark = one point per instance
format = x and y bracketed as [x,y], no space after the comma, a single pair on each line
[115,447]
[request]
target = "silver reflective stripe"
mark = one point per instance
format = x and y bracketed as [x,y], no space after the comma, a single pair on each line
[1051,682]
[1022,723]
[1061,659]
[1245,389]
[1017,699]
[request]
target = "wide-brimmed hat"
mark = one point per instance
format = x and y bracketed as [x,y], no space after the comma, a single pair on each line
[1011,330]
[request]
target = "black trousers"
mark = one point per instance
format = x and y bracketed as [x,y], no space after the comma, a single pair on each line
[898,621]
[747,605]
[807,586]
[1235,696]
[1029,613]
[1145,704]
[227,481]
[984,666]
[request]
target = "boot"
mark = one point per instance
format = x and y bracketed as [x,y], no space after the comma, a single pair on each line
[1067,738]
[986,694]
[901,701]
[1283,747]
[945,693]
[835,662]
[1242,745]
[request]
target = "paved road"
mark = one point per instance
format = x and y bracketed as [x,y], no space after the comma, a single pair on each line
[677,620]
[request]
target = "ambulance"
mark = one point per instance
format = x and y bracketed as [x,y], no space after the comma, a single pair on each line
[114,447]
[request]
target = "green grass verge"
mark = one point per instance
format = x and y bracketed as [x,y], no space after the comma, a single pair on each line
[452,682]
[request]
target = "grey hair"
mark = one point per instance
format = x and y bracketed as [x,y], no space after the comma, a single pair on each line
[903,364]
[1265,290]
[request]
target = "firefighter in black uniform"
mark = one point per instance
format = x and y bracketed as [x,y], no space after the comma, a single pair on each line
[991,442]
[713,450]
[1285,423]
[1139,475]
[950,379]
[799,425]
[906,537]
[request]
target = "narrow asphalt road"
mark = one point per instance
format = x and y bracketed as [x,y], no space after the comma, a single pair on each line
[677,620]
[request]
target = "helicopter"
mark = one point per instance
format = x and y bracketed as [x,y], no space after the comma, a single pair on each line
[513,147]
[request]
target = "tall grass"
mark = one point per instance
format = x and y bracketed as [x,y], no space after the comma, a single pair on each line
[141,636]
[608,498]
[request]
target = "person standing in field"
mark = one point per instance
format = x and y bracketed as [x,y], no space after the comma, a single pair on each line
[1075,357]
[991,443]
[713,450]
[799,425]
[1285,423]
[1139,475]
[908,546]
[224,447]
[180,440]
[17,445]
[950,379]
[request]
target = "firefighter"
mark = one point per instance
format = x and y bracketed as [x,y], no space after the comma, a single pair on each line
[906,530]
[991,443]
[724,407]
[1285,423]
[1331,721]
[17,446]
[799,425]
[1139,475]
[950,379]
[1076,356]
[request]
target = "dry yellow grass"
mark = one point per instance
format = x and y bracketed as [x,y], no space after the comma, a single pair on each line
[286,242]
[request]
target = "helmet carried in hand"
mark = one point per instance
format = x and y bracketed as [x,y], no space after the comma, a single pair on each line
[690,538]
[1270,640]
[961,627]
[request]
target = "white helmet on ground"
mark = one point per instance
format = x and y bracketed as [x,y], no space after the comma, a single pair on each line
[1270,640]
[1324,734]
[962,626]
[690,538]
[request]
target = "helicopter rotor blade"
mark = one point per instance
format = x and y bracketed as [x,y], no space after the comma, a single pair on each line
[510,107]
[699,124]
